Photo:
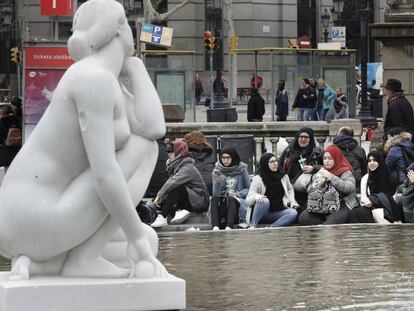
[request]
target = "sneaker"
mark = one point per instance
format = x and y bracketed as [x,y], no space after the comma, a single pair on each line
[193,229]
[251,228]
[215,228]
[228,228]
[159,222]
[180,217]
[243,225]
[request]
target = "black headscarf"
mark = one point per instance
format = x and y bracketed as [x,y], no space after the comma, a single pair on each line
[235,158]
[272,182]
[296,151]
[380,179]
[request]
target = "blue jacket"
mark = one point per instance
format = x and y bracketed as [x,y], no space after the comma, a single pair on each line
[329,95]
[395,159]
[241,187]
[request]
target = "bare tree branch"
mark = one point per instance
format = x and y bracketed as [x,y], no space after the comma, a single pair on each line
[157,5]
[165,15]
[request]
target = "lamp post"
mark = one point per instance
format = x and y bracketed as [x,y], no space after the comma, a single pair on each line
[336,11]
[365,111]
[325,18]
[220,110]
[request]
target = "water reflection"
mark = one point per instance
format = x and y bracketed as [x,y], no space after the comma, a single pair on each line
[366,267]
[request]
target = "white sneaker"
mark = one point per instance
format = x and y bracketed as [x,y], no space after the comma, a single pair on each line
[228,228]
[193,229]
[215,228]
[180,217]
[243,225]
[159,222]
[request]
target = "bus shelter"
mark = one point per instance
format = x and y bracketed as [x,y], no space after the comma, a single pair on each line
[337,67]
[173,75]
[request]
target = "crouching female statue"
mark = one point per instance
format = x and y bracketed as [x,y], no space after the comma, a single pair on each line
[88,162]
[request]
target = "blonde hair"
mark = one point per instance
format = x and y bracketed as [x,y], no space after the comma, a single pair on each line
[95,24]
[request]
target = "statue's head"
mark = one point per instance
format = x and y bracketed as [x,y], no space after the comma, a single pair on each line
[95,24]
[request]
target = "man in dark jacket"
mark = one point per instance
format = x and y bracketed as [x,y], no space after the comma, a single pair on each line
[305,101]
[400,112]
[8,121]
[353,152]
[282,102]
[255,107]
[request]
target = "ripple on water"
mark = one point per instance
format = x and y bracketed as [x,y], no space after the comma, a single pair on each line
[364,267]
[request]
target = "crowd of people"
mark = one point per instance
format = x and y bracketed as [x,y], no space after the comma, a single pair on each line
[305,185]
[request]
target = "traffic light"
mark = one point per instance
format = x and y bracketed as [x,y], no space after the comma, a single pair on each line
[234,43]
[208,41]
[15,54]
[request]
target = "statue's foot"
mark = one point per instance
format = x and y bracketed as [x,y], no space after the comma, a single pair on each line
[20,268]
[96,268]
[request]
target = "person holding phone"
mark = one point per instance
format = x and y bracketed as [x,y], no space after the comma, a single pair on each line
[231,183]
[272,195]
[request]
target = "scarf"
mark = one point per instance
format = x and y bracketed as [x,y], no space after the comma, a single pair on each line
[273,183]
[292,165]
[395,96]
[231,170]
[341,164]
[379,180]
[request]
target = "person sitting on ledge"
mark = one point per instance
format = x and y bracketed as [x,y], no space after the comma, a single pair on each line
[184,189]
[377,190]
[301,160]
[352,152]
[336,177]
[203,155]
[400,153]
[272,195]
[231,183]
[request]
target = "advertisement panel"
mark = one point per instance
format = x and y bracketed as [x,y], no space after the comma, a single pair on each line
[44,67]
[56,7]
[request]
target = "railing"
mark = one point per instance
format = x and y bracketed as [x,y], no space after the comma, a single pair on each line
[267,130]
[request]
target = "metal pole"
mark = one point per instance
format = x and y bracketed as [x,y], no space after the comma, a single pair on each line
[193,102]
[255,69]
[272,80]
[210,54]
[230,90]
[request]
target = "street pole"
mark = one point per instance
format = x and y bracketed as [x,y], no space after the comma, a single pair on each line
[210,54]
[365,111]
[325,35]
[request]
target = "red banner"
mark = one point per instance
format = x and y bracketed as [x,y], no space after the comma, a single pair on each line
[47,57]
[56,7]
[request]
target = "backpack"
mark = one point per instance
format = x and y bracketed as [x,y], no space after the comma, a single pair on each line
[408,156]
[14,137]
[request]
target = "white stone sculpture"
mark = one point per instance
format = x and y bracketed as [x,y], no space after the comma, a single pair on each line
[88,162]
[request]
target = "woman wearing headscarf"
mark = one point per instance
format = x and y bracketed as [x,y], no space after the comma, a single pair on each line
[337,173]
[204,157]
[376,186]
[231,184]
[302,150]
[272,195]
[185,188]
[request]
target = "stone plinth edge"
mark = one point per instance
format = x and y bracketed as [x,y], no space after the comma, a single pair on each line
[77,294]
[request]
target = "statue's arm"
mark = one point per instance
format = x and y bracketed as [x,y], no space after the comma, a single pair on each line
[145,114]
[95,98]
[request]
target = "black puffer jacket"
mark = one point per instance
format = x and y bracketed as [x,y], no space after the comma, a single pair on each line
[204,161]
[399,114]
[308,102]
[354,154]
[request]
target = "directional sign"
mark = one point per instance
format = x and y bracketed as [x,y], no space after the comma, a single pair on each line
[156,34]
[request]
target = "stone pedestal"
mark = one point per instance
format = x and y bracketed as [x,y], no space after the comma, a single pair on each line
[397,51]
[79,294]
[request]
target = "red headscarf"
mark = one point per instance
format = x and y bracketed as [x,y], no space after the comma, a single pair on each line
[181,149]
[341,164]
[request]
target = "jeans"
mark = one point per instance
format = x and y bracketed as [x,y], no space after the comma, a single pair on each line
[281,218]
[306,114]
[322,113]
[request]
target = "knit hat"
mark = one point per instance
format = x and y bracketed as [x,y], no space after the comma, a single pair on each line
[394,85]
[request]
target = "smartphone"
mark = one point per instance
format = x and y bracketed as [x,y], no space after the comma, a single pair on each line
[217,172]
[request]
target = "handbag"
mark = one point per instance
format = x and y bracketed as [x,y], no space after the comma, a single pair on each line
[302,182]
[323,200]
